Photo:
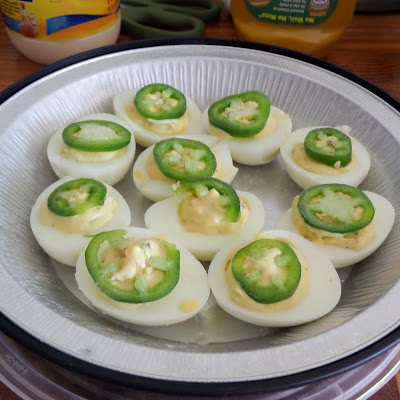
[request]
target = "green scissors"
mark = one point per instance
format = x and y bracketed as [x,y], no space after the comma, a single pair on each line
[150,19]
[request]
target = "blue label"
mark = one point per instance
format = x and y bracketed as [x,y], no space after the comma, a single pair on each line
[11,23]
[59,23]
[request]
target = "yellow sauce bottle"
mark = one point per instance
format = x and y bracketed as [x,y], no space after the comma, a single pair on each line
[309,26]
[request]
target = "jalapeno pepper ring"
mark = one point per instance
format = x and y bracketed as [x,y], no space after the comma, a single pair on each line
[76,196]
[267,270]
[96,136]
[200,187]
[328,146]
[159,101]
[336,208]
[240,115]
[139,292]
[179,159]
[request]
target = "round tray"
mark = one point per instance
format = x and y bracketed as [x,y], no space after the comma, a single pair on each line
[56,324]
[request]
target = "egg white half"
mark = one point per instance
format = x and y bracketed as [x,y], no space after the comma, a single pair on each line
[157,190]
[321,297]
[192,286]
[257,150]
[306,179]
[111,171]
[122,101]
[342,257]
[163,217]
[66,247]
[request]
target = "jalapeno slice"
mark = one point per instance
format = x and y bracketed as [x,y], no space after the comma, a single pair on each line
[96,136]
[268,270]
[328,146]
[159,101]
[336,208]
[229,199]
[240,115]
[76,196]
[137,290]
[181,159]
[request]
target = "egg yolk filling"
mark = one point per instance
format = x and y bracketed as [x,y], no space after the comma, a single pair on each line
[168,127]
[325,151]
[265,278]
[205,213]
[136,268]
[90,221]
[78,206]
[72,154]
[154,172]
[355,240]
[189,306]
[269,128]
[132,271]
[301,159]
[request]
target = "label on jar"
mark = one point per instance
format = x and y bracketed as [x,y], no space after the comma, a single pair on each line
[292,12]
[59,20]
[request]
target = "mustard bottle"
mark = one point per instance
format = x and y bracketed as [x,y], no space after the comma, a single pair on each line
[309,26]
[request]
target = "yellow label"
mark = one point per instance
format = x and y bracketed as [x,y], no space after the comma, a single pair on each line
[59,20]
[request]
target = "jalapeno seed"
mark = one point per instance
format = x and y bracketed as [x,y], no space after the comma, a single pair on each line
[240,115]
[336,208]
[267,270]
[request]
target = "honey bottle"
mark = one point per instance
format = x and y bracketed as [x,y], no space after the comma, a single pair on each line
[309,26]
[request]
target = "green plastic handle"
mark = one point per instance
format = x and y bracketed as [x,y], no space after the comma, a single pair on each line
[206,10]
[153,23]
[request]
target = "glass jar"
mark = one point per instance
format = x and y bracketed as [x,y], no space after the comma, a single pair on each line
[47,30]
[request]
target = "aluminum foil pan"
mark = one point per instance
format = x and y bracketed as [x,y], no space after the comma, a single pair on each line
[213,353]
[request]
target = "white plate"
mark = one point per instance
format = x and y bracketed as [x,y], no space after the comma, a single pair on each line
[33,298]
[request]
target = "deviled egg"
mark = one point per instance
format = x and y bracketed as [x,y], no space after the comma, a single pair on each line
[205,214]
[346,223]
[71,209]
[318,155]
[98,146]
[160,166]
[158,111]
[252,129]
[139,277]
[274,279]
